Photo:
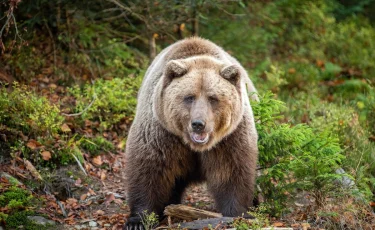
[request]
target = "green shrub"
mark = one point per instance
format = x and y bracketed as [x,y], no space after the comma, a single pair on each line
[353,138]
[114,100]
[24,110]
[293,156]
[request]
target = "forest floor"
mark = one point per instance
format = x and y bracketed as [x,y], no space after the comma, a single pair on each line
[95,201]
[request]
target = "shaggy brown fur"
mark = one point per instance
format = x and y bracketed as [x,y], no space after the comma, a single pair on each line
[191,81]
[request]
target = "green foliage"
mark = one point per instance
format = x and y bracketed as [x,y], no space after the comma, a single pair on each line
[24,110]
[293,156]
[15,198]
[3,217]
[261,219]
[114,100]
[18,219]
[149,220]
[96,145]
[353,138]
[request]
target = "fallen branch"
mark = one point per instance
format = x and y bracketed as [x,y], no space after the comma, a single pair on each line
[189,213]
[80,113]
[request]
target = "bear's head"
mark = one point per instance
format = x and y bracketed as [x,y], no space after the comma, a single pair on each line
[199,99]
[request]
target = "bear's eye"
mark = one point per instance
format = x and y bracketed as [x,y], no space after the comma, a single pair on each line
[189,99]
[213,99]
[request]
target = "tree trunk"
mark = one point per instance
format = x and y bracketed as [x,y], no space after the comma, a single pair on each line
[152,46]
[195,21]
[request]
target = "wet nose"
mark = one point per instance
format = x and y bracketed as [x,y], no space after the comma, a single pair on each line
[198,126]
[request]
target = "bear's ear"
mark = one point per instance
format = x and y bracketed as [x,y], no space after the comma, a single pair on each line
[175,69]
[231,73]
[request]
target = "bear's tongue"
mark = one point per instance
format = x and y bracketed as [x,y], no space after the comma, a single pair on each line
[200,138]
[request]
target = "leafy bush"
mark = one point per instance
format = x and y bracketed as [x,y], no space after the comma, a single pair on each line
[22,109]
[114,100]
[353,138]
[293,156]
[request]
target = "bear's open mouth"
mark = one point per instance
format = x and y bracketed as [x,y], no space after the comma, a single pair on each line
[200,138]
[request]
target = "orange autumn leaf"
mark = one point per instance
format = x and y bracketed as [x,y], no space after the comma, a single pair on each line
[83,197]
[278,224]
[46,155]
[33,144]
[97,160]
[102,175]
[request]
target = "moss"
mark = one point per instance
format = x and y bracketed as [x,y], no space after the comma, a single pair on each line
[3,217]
[18,219]
[15,197]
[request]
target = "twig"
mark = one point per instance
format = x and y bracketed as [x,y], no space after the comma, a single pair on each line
[5,24]
[80,113]
[122,6]
[62,208]
[79,164]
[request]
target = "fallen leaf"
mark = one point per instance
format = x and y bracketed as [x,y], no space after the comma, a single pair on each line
[46,155]
[97,160]
[33,144]
[278,224]
[99,212]
[91,192]
[65,128]
[71,201]
[296,225]
[32,170]
[103,175]
[109,198]
[83,197]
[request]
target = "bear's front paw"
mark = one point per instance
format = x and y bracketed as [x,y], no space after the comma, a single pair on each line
[134,223]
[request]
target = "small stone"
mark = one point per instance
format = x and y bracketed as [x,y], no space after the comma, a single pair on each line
[41,220]
[107,225]
[93,224]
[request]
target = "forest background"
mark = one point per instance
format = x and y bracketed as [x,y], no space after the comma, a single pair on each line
[70,72]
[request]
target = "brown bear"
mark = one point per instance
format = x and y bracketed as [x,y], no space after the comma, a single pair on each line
[193,123]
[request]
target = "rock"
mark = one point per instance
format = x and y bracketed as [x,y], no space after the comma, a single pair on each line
[93,224]
[41,220]
[11,179]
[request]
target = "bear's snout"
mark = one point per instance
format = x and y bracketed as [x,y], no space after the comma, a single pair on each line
[198,126]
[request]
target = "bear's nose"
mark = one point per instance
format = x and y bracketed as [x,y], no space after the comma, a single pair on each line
[198,126]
